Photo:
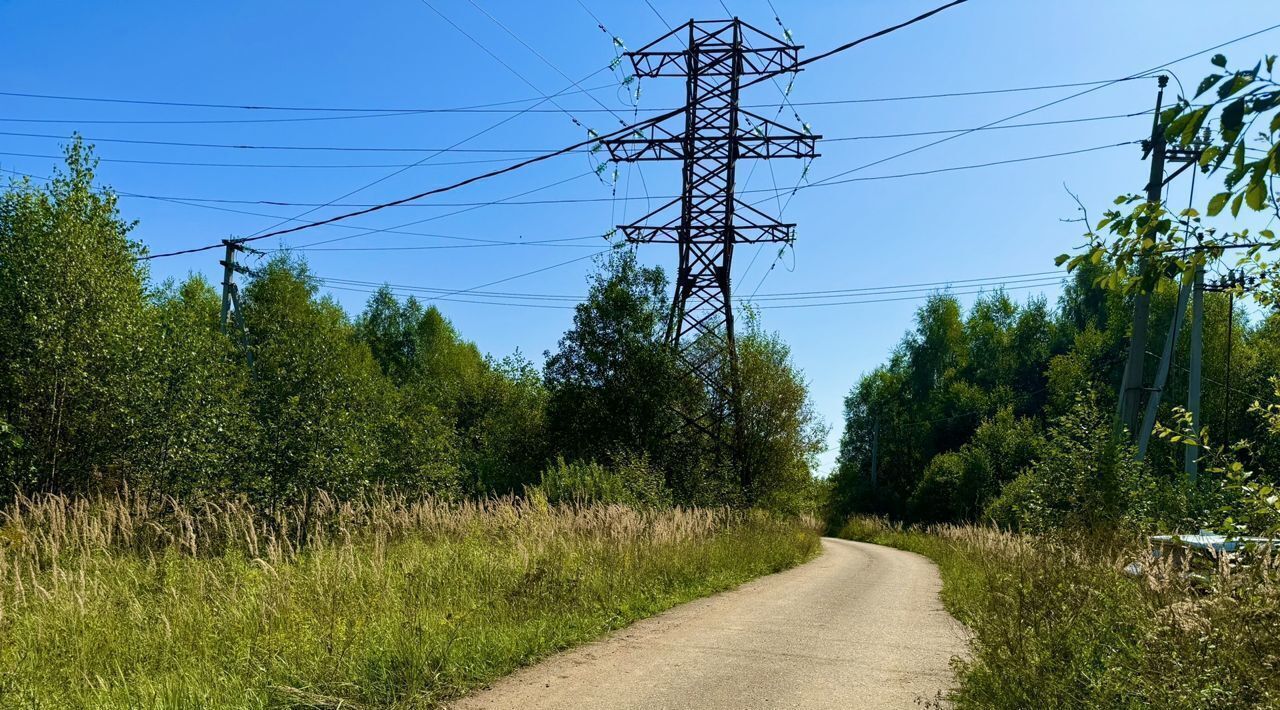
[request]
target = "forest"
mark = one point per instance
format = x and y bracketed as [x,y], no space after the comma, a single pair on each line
[110,381]
[974,413]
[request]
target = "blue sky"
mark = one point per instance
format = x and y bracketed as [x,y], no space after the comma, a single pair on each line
[971,224]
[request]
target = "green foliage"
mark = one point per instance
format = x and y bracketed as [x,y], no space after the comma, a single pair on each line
[72,328]
[1144,240]
[946,377]
[316,391]
[195,434]
[781,433]
[1084,480]
[612,384]
[959,485]
[104,383]
[631,482]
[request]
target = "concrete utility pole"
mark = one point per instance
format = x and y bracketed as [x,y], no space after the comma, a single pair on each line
[1132,383]
[1191,455]
[1162,372]
[231,294]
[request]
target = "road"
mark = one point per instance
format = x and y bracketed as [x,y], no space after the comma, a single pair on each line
[861,626]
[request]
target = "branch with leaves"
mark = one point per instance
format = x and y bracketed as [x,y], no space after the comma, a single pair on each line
[1147,242]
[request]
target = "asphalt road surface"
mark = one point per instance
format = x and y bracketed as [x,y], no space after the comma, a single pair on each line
[860,627]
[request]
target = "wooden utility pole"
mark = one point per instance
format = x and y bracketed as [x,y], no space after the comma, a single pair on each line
[1131,385]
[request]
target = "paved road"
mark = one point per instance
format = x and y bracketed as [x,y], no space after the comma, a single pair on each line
[859,627]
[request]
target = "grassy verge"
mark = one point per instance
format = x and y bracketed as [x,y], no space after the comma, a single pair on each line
[1059,624]
[382,602]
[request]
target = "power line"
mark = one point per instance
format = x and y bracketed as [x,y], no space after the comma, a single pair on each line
[363,230]
[1051,276]
[582,200]
[542,57]
[367,231]
[404,200]
[866,38]
[206,121]
[659,15]
[977,292]
[326,109]
[1039,107]
[546,156]
[496,107]
[453,300]
[835,139]
[1003,282]
[264,166]
[829,181]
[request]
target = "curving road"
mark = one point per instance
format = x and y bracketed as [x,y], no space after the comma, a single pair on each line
[861,626]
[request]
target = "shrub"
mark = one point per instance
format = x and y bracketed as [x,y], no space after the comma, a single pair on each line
[1086,479]
[960,485]
[630,482]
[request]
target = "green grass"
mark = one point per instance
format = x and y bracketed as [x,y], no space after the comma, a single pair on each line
[374,604]
[1058,624]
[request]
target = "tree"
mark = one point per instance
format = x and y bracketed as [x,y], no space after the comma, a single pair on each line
[465,424]
[613,385]
[782,435]
[1084,480]
[72,328]
[317,393]
[195,432]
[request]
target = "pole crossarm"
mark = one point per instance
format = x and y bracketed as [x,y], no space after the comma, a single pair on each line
[721,43]
[765,140]
[663,225]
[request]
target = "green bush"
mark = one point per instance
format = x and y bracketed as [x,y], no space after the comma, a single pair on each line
[631,482]
[1086,479]
[960,485]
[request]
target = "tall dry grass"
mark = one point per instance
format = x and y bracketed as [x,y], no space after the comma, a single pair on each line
[1066,621]
[382,601]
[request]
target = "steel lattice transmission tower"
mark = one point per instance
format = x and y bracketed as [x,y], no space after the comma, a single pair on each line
[708,219]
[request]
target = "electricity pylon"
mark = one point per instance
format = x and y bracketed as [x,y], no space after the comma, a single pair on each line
[708,219]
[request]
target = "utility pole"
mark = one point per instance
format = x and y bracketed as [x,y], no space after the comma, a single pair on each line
[231,295]
[228,285]
[1191,455]
[708,219]
[1162,372]
[1132,382]
[1234,281]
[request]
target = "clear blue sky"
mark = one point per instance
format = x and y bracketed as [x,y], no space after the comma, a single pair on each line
[991,222]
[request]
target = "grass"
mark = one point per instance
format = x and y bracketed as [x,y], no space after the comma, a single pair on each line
[1058,624]
[384,602]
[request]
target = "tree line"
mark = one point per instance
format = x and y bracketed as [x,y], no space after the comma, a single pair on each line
[1006,413]
[966,412]
[108,379]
